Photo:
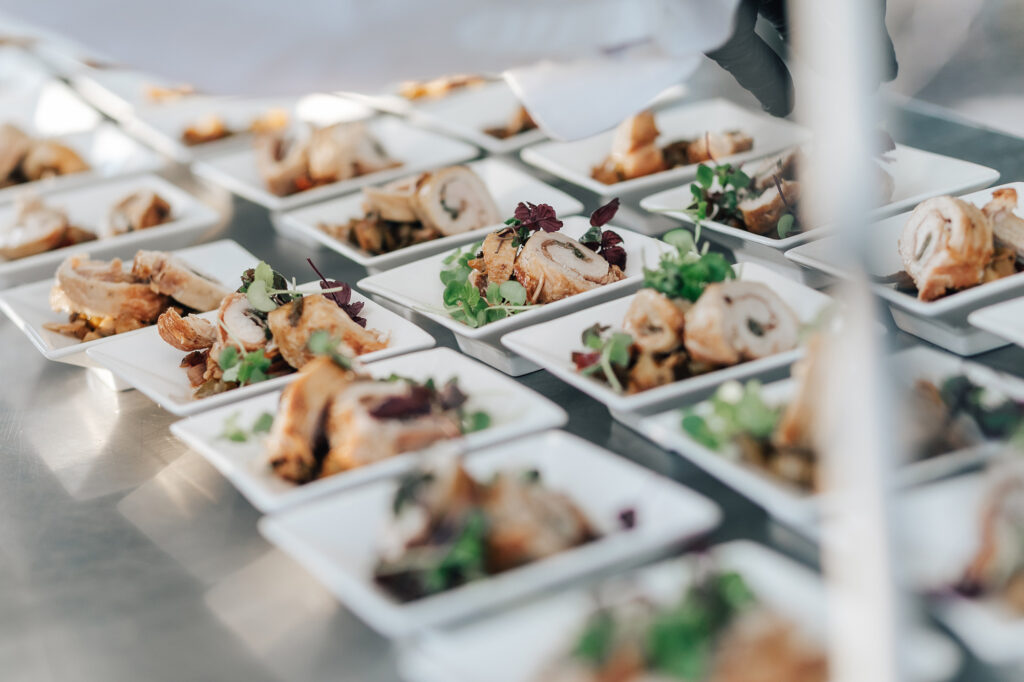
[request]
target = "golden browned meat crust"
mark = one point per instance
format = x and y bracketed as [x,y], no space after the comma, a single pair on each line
[294,323]
[188,333]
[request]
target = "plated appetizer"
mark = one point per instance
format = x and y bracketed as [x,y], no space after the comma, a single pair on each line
[528,263]
[519,122]
[24,158]
[691,317]
[717,631]
[635,151]
[417,209]
[102,298]
[949,244]
[163,94]
[439,87]
[213,127]
[289,163]
[267,329]
[449,529]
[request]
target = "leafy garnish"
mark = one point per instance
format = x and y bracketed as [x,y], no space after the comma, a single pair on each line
[464,560]
[475,421]
[341,294]
[605,242]
[322,343]
[686,273]
[608,351]
[233,432]
[463,300]
[734,410]
[243,368]
[717,193]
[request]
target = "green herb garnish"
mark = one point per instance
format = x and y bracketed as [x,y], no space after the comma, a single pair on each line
[234,432]
[322,343]
[686,273]
[463,300]
[734,410]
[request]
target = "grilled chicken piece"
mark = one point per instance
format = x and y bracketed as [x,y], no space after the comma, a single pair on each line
[1007,226]
[37,228]
[173,277]
[300,415]
[345,150]
[238,324]
[48,159]
[759,646]
[207,129]
[395,201]
[735,320]
[137,211]
[655,321]
[498,256]
[455,200]
[283,162]
[644,161]
[713,146]
[761,214]
[356,437]
[14,145]
[294,323]
[553,266]
[946,245]
[784,166]
[635,132]
[189,333]
[104,289]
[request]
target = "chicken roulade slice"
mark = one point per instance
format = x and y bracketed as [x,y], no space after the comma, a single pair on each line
[713,146]
[37,228]
[761,214]
[291,445]
[137,211]
[395,201]
[237,324]
[346,150]
[189,333]
[293,324]
[735,321]
[283,162]
[171,276]
[455,200]
[655,321]
[946,245]
[553,266]
[635,132]
[1007,226]
[499,256]
[48,159]
[104,289]
[14,145]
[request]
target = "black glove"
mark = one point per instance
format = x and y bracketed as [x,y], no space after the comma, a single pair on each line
[759,69]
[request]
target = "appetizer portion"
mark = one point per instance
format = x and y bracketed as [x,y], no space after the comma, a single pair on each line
[439,87]
[691,316]
[449,529]
[717,631]
[528,263]
[635,151]
[417,209]
[267,329]
[24,158]
[214,127]
[949,244]
[291,163]
[39,228]
[519,122]
[162,94]
[102,298]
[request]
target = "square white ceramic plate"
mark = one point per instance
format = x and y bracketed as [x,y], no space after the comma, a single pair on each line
[417,149]
[514,409]
[108,151]
[520,645]
[144,361]
[942,523]
[942,321]
[336,538]
[916,174]
[801,508]
[506,183]
[551,345]
[574,161]
[417,286]
[28,306]
[89,208]
[1005,320]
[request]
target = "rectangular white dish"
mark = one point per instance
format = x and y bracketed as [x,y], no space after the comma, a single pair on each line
[341,554]
[145,362]
[514,409]
[942,321]
[507,184]
[417,286]
[89,207]
[550,345]
[573,161]
[1005,320]
[417,149]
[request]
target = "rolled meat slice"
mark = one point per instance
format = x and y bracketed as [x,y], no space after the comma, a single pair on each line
[946,245]
[189,333]
[345,150]
[283,162]
[238,324]
[37,228]
[633,133]
[137,211]
[713,146]
[14,145]
[761,214]
[655,321]
[104,289]
[292,325]
[455,200]
[553,266]
[395,201]
[498,256]
[171,276]
[49,159]
[734,321]
[1007,226]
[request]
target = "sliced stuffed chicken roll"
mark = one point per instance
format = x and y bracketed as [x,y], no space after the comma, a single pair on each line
[735,321]
[455,200]
[946,244]
[104,289]
[553,266]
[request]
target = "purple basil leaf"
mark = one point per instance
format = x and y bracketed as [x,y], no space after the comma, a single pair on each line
[414,403]
[604,215]
[615,256]
[538,217]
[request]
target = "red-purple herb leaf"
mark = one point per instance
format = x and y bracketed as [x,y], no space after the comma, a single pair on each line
[341,298]
[584,360]
[604,215]
[414,403]
[537,217]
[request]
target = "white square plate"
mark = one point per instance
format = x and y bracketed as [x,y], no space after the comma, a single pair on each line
[144,361]
[28,306]
[89,207]
[800,508]
[520,645]
[1005,320]
[336,538]
[551,344]
[574,161]
[417,150]
[917,175]
[506,183]
[941,523]
[942,321]
[514,409]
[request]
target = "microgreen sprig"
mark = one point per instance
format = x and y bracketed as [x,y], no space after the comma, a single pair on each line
[613,351]
[686,273]
[463,300]
[234,432]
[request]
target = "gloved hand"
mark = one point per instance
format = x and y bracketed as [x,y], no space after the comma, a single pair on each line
[759,69]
